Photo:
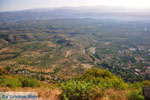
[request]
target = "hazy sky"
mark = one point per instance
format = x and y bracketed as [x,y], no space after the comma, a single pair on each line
[6,5]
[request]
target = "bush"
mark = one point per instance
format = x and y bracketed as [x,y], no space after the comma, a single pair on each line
[42,78]
[89,84]
[30,82]
[10,81]
[146,83]
[2,71]
[78,90]
[140,85]
[96,73]
[14,81]
[8,68]
[118,83]
[135,95]
[103,78]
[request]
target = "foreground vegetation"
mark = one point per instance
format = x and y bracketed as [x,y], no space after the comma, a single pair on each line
[96,83]
[93,84]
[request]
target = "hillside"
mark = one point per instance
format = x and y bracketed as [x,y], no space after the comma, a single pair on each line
[60,45]
[74,58]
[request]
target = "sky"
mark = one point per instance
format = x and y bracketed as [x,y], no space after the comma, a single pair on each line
[9,5]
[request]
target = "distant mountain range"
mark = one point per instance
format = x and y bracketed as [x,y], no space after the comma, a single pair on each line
[73,12]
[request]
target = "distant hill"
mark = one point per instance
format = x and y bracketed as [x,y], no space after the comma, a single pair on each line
[73,12]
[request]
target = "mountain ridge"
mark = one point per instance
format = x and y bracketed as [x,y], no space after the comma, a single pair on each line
[71,12]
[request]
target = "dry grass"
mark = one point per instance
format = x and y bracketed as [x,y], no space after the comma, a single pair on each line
[111,94]
[3,49]
[68,53]
[2,41]
[45,92]
[87,66]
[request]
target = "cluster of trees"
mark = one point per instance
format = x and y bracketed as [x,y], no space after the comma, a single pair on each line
[127,75]
[13,81]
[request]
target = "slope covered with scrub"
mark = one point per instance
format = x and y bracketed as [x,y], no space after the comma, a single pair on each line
[93,84]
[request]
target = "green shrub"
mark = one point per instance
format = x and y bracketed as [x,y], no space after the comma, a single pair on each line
[146,83]
[118,83]
[42,78]
[30,82]
[78,90]
[103,78]
[136,85]
[10,81]
[135,95]
[140,85]
[14,81]
[96,73]
[8,68]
